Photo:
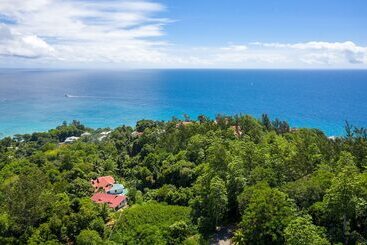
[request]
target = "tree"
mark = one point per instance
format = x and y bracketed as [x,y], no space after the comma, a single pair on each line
[143,124]
[342,199]
[4,224]
[210,206]
[301,231]
[348,130]
[217,201]
[218,158]
[147,235]
[29,198]
[178,232]
[202,119]
[266,122]
[88,237]
[310,189]
[281,127]
[265,214]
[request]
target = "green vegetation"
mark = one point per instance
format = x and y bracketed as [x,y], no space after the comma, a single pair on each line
[274,184]
[150,222]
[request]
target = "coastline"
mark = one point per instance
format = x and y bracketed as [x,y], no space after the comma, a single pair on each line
[133,124]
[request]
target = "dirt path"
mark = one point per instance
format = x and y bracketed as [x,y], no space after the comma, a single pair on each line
[223,236]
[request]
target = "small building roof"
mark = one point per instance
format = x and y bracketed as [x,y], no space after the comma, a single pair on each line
[106,132]
[137,134]
[185,123]
[332,137]
[71,139]
[104,182]
[86,134]
[117,188]
[102,137]
[112,200]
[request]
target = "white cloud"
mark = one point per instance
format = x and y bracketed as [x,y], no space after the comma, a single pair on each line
[130,33]
[26,46]
[273,55]
[239,54]
[83,31]
[338,46]
[236,48]
[322,53]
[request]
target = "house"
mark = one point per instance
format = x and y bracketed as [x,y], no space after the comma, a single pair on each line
[85,134]
[237,130]
[221,120]
[104,182]
[136,134]
[117,189]
[333,138]
[185,123]
[104,135]
[114,201]
[71,139]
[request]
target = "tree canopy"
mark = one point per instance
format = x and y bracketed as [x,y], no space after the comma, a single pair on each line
[186,181]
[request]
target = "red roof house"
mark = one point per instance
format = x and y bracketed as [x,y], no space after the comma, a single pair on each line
[113,201]
[104,182]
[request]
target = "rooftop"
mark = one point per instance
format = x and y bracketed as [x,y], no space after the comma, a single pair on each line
[71,139]
[117,188]
[104,182]
[112,200]
[185,123]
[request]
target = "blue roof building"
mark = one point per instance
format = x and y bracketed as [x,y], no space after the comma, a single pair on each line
[117,189]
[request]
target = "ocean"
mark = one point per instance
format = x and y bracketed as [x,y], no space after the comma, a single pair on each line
[38,100]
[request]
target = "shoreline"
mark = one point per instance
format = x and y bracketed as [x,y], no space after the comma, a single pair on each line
[133,124]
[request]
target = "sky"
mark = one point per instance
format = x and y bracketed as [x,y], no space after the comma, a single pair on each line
[127,34]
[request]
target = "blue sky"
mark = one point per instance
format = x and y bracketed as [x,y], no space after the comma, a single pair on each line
[215,22]
[183,34]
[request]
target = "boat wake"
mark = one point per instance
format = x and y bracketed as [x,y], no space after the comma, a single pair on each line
[94,97]
[77,96]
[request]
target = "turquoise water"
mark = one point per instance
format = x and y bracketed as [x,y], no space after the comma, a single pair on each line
[34,100]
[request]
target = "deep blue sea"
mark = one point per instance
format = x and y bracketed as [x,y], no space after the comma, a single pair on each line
[34,100]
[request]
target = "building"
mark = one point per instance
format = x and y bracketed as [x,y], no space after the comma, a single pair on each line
[237,130]
[71,139]
[105,133]
[86,134]
[333,138]
[136,134]
[114,201]
[117,189]
[185,123]
[104,182]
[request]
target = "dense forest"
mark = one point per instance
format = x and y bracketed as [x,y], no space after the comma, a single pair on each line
[186,181]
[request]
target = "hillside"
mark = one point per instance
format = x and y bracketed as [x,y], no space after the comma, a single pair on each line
[186,180]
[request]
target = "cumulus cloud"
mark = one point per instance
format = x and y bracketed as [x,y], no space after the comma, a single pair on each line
[26,46]
[131,33]
[83,31]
